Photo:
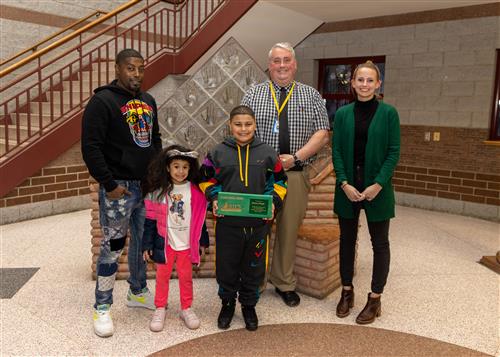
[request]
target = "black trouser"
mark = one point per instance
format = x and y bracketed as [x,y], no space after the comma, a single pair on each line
[379,234]
[240,261]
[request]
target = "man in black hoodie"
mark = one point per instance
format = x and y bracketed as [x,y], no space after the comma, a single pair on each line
[120,136]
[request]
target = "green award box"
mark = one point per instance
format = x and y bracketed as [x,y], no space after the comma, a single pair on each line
[245,205]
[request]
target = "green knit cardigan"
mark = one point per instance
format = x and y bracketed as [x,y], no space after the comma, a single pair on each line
[381,158]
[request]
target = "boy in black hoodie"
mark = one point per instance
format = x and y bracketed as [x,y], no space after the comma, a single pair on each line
[120,136]
[244,164]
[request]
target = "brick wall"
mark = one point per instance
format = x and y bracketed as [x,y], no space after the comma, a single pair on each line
[60,186]
[439,76]
[50,183]
[458,167]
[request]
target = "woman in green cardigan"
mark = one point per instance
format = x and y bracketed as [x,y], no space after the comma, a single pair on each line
[366,143]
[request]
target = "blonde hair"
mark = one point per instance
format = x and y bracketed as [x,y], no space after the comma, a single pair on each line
[367,64]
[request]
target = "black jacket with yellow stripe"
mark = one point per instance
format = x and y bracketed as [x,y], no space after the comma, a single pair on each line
[252,168]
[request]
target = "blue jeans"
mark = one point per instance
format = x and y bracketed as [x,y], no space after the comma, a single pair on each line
[116,218]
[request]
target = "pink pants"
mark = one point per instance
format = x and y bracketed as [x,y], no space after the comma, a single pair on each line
[184,273]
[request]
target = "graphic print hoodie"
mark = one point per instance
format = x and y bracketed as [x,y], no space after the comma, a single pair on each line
[120,134]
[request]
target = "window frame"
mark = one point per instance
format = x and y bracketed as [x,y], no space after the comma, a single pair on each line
[353,61]
[495,105]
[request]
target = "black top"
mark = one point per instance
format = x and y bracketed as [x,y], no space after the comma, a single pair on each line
[120,134]
[363,115]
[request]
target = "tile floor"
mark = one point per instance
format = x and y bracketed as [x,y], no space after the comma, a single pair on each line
[436,289]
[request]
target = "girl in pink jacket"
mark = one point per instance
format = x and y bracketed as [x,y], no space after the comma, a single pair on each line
[175,213]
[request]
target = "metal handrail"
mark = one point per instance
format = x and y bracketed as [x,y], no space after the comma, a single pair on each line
[96,13]
[43,103]
[67,38]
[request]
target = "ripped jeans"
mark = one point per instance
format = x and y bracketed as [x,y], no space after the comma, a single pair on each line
[116,218]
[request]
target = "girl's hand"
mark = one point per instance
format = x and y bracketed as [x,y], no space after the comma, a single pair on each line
[147,255]
[371,191]
[272,217]
[353,194]
[215,207]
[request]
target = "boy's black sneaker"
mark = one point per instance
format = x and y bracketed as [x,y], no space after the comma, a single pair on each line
[226,314]
[250,317]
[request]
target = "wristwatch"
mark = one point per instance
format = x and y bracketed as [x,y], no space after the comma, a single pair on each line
[296,161]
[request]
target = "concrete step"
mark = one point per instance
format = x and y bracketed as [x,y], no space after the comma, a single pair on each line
[12,143]
[47,108]
[22,119]
[95,76]
[75,84]
[64,95]
[12,129]
[110,65]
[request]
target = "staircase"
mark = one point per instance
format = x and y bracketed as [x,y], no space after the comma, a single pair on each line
[41,117]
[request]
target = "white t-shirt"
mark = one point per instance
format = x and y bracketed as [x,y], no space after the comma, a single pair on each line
[179,216]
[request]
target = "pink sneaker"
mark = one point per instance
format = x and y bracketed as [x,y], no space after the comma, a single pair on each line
[158,320]
[190,319]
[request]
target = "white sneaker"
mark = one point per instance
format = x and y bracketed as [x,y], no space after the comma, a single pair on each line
[158,320]
[144,299]
[103,324]
[190,319]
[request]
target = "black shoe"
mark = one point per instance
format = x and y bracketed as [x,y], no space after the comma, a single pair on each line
[250,317]
[226,314]
[291,298]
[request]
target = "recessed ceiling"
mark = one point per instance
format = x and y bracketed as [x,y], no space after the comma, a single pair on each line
[339,10]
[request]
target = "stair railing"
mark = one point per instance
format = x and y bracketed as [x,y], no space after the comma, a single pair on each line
[37,45]
[53,90]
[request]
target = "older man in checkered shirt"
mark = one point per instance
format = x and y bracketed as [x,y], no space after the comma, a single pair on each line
[292,118]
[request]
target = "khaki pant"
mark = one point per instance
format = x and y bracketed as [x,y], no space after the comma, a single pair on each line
[288,222]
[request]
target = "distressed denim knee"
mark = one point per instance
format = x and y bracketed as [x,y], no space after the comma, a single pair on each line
[115,219]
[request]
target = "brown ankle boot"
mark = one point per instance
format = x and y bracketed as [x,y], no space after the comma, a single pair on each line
[372,309]
[346,302]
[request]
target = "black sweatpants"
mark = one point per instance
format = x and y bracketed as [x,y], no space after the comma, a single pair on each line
[240,261]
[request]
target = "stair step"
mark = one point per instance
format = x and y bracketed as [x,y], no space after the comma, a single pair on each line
[12,143]
[22,119]
[76,85]
[64,95]
[109,64]
[47,108]
[23,132]
[95,76]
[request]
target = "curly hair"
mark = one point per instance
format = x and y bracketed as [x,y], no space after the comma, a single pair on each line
[158,176]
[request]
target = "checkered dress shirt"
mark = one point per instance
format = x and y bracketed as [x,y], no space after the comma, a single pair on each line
[306,114]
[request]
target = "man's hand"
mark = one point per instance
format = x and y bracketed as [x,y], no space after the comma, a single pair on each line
[287,161]
[118,192]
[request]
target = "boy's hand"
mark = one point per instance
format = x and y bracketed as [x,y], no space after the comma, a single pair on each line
[147,255]
[272,217]
[215,207]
